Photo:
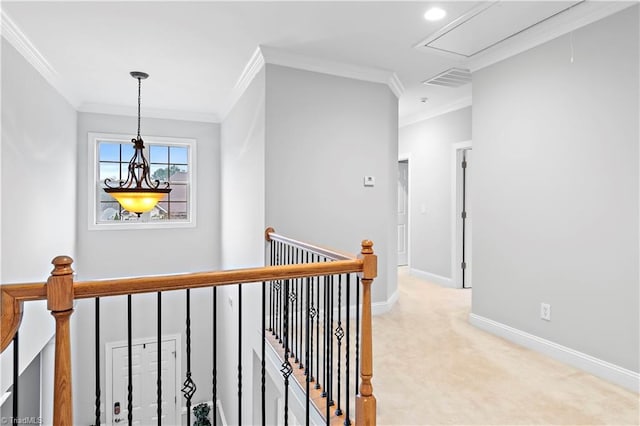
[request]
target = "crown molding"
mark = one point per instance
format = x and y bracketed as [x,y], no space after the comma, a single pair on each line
[395,85]
[271,55]
[432,113]
[14,35]
[576,17]
[166,114]
[375,75]
[250,71]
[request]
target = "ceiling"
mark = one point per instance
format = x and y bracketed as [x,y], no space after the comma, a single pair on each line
[195,51]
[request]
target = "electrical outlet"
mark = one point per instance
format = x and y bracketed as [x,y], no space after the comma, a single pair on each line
[545,311]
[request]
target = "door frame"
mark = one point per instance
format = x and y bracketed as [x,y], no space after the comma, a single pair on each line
[456,205]
[407,158]
[109,346]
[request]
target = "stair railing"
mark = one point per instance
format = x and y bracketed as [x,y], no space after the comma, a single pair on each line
[61,291]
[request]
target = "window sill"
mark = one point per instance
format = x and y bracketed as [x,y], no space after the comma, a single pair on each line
[130,226]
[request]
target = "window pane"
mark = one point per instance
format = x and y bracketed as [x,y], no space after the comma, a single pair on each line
[178,211]
[178,192]
[158,154]
[160,211]
[124,170]
[109,170]
[109,211]
[179,173]
[127,151]
[159,172]
[103,196]
[178,154]
[109,151]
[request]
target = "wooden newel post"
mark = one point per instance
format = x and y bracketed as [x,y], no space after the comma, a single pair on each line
[365,401]
[60,303]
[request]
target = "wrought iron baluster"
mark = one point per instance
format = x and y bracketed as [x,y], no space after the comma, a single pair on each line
[306,348]
[327,358]
[189,386]
[357,381]
[16,378]
[97,350]
[288,294]
[280,297]
[271,259]
[159,379]
[294,312]
[325,348]
[278,328]
[339,335]
[286,369]
[312,316]
[262,369]
[129,364]
[331,290]
[214,372]
[347,419]
[239,354]
[318,365]
[300,319]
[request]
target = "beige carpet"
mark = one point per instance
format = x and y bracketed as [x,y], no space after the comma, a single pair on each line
[431,367]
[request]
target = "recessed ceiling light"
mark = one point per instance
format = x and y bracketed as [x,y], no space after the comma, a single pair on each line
[435,14]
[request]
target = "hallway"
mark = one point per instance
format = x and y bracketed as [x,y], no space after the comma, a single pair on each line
[433,368]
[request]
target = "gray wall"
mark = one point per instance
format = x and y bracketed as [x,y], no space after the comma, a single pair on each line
[140,251]
[38,190]
[556,190]
[29,394]
[243,224]
[324,134]
[117,253]
[429,145]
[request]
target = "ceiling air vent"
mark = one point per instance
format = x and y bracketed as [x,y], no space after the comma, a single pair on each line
[453,77]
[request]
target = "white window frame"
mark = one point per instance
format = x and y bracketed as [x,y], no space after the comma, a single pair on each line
[93,173]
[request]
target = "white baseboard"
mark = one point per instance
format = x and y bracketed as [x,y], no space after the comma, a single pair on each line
[603,369]
[434,278]
[378,308]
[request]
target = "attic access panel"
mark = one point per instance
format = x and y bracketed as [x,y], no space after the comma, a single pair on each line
[491,23]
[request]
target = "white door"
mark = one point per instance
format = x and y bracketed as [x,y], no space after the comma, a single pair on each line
[468,187]
[144,375]
[403,213]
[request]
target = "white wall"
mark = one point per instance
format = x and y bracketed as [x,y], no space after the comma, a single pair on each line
[117,253]
[556,190]
[243,225]
[324,134]
[38,190]
[428,145]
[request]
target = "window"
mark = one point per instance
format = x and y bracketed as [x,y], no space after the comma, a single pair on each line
[170,160]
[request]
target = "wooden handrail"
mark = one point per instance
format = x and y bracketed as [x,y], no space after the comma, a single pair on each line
[13,295]
[270,235]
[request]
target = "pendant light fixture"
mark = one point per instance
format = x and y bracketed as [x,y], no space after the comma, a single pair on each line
[138,194]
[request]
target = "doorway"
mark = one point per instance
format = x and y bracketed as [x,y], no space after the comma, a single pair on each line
[144,376]
[462,234]
[403,212]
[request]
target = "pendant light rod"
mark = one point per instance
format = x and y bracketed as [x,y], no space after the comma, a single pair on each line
[139,75]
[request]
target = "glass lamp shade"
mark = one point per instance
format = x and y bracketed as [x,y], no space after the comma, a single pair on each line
[138,200]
